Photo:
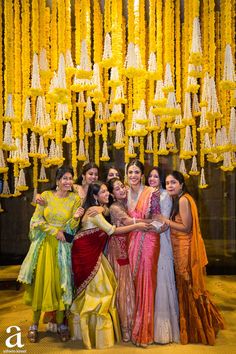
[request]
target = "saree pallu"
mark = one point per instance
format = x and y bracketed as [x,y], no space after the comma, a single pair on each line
[143,254]
[125,299]
[94,317]
[200,319]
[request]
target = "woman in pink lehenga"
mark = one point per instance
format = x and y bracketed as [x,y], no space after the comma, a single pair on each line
[144,247]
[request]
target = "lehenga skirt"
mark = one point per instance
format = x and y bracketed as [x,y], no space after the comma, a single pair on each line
[45,292]
[94,317]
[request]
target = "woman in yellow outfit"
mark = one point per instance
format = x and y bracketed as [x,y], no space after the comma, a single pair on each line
[46,270]
[94,315]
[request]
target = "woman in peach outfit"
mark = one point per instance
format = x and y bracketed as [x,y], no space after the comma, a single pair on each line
[200,320]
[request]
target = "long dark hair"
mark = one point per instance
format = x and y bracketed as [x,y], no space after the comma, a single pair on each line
[60,173]
[161,176]
[85,169]
[137,163]
[180,178]
[93,189]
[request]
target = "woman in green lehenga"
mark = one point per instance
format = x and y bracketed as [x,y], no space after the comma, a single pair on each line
[46,270]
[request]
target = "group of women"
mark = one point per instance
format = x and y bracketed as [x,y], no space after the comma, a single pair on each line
[135,270]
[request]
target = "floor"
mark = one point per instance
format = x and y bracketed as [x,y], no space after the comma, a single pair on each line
[14,313]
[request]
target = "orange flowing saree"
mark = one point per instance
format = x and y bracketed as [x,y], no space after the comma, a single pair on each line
[200,319]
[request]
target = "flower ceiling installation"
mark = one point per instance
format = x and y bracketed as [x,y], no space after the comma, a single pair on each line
[159,87]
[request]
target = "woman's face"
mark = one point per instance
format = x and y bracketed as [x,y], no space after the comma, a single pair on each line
[65,183]
[103,195]
[154,179]
[112,173]
[173,186]
[91,176]
[134,175]
[119,191]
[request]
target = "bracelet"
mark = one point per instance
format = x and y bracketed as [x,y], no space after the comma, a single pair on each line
[134,220]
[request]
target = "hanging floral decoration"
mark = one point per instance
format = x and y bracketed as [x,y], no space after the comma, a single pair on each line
[114,83]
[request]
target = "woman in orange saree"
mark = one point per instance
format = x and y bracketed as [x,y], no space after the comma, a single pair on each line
[143,250]
[200,319]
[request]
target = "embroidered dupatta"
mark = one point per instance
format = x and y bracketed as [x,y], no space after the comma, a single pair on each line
[87,251]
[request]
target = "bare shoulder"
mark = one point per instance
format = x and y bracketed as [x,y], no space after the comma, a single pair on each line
[184,202]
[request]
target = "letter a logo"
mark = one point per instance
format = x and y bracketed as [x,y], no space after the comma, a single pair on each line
[15,338]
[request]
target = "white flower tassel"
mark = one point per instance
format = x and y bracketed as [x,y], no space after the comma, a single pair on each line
[9,112]
[34,196]
[69,62]
[3,167]
[42,174]
[21,183]
[227,162]
[168,81]
[188,141]
[182,168]
[149,146]
[6,189]
[27,117]
[131,151]
[207,143]
[229,79]
[114,74]
[196,48]
[81,153]
[159,94]
[61,74]
[162,147]
[194,171]
[8,141]
[52,150]
[187,116]
[87,129]
[69,135]
[105,156]
[203,183]
[33,145]
[25,152]
[152,63]
[41,148]
[232,128]
[119,139]
[85,63]
[107,52]
[35,80]
[169,139]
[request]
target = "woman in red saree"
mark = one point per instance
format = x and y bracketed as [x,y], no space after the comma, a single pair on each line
[200,319]
[144,247]
[94,315]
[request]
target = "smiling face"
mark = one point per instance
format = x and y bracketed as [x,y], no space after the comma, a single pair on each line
[65,183]
[119,191]
[112,173]
[103,195]
[134,175]
[173,186]
[91,176]
[154,179]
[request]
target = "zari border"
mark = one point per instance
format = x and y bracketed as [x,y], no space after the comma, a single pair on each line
[91,276]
